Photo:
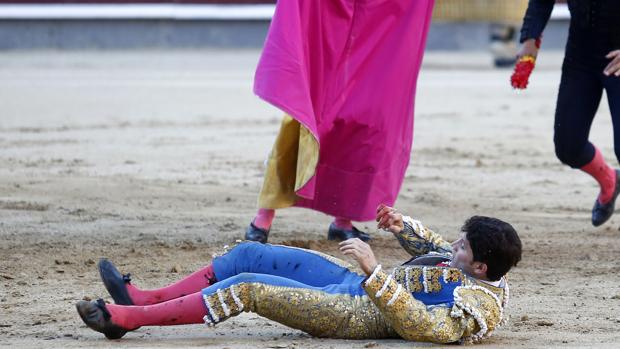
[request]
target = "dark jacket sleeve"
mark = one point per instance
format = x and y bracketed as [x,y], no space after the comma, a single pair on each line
[536,18]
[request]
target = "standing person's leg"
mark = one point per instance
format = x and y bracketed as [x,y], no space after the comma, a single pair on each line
[278,189]
[343,223]
[291,164]
[264,218]
[612,88]
[340,229]
[259,228]
[578,100]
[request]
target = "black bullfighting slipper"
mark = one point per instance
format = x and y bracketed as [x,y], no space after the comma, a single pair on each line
[96,316]
[335,233]
[115,282]
[254,233]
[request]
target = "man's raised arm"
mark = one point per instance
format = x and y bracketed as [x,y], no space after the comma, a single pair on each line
[415,238]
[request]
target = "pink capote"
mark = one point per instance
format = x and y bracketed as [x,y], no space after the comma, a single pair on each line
[347,71]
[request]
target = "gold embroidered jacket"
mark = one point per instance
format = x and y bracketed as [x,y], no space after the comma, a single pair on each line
[471,311]
[477,310]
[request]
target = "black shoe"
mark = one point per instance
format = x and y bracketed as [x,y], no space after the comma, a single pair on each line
[335,233]
[254,233]
[115,282]
[96,316]
[601,213]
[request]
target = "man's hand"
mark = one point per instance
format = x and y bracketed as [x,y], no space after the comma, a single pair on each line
[613,68]
[361,252]
[389,219]
[528,48]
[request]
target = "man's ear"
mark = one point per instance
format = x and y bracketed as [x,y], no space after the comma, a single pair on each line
[480,270]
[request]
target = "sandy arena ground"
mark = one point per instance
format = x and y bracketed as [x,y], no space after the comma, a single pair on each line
[154,159]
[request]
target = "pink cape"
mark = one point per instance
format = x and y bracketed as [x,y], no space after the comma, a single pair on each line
[347,71]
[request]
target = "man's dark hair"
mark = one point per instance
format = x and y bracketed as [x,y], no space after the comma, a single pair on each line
[493,242]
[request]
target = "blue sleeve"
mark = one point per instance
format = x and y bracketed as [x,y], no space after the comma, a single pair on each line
[536,18]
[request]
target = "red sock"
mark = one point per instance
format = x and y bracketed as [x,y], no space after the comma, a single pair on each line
[343,223]
[604,175]
[264,218]
[193,283]
[181,311]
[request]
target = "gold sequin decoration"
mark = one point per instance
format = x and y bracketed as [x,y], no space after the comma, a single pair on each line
[433,275]
[411,279]
[484,304]
[320,314]
[412,320]
[452,275]
[315,312]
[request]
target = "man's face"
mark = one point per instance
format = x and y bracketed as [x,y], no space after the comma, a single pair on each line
[463,258]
